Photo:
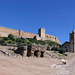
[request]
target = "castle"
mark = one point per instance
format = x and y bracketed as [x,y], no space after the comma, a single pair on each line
[4,32]
[70,46]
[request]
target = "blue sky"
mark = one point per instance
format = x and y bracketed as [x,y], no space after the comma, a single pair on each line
[57,16]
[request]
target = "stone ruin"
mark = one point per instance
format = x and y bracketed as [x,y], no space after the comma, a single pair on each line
[21,50]
[32,50]
[36,50]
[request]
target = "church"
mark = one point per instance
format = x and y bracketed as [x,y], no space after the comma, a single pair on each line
[70,46]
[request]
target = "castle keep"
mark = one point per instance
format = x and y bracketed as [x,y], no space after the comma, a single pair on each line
[4,32]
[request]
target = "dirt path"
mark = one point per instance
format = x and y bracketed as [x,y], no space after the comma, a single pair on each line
[68,69]
[26,66]
[71,67]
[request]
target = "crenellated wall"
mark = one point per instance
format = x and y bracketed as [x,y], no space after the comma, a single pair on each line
[51,37]
[4,32]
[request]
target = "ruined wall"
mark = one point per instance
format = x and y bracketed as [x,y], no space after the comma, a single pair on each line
[36,50]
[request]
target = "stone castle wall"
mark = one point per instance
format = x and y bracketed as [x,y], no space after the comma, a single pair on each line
[4,32]
[52,38]
[27,34]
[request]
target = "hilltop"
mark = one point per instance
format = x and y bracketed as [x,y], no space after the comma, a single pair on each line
[4,32]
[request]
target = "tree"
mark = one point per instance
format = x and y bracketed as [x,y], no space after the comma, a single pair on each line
[11,37]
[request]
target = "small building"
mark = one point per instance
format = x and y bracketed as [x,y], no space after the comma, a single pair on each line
[70,46]
[66,46]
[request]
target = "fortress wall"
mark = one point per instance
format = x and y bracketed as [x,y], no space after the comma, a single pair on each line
[26,34]
[5,31]
[39,38]
[3,34]
[58,41]
[52,38]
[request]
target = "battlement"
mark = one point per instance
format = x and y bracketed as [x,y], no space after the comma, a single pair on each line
[4,32]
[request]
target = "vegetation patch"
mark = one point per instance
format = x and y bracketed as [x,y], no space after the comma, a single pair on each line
[22,41]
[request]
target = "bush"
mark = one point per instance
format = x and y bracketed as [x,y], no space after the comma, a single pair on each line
[10,42]
[51,43]
[2,42]
[20,40]
[62,50]
[40,42]
[65,55]
[32,39]
[20,45]
[11,37]
[55,49]
[54,52]
[5,38]
[48,47]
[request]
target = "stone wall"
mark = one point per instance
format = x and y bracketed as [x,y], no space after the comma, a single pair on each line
[36,50]
[66,46]
[52,38]
[4,32]
[26,34]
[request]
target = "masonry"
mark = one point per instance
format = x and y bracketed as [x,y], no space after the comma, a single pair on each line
[70,46]
[4,32]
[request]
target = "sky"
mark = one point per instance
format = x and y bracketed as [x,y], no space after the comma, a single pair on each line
[56,16]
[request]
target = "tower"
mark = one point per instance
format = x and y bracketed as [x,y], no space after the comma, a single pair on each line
[42,32]
[72,41]
[19,32]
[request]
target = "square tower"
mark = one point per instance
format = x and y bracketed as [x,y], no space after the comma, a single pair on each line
[41,32]
[72,41]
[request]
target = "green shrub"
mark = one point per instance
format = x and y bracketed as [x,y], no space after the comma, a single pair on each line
[48,47]
[52,43]
[20,40]
[2,42]
[31,40]
[62,50]
[40,42]
[65,55]
[20,45]
[11,42]
[55,49]
[5,38]
[11,37]
[54,52]
[15,45]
